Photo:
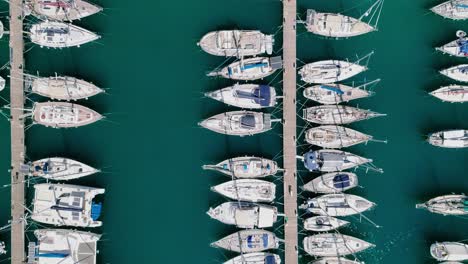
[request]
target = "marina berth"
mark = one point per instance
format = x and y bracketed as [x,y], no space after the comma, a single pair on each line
[250,69]
[453,204]
[336,260]
[331,136]
[339,204]
[244,214]
[255,258]
[250,96]
[245,167]
[452,9]
[66,205]
[334,93]
[458,48]
[449,251]
[248,241]
[62,87]
[60,246]
[237,43]
[248,190]
[60,35]
[61,10]
[239,123]
[63,115]
[329,160]
[449,139]
[333,182]
[332,244]
[457,73]
[452,93]
[323,223]
[58,169]
[337,114]
[329,71]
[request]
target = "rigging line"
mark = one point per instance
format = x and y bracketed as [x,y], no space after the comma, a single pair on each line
[276,76]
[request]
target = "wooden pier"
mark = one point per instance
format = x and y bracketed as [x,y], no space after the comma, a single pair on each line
[289,131]
[17,131]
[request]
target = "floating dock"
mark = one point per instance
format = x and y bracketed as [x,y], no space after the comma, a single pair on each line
[17,131]
[289,131]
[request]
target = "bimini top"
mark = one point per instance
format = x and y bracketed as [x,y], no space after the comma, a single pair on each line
[260,95]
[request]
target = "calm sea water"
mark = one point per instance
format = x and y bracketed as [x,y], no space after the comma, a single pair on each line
[151,149]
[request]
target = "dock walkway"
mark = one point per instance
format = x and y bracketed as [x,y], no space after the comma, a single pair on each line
[289,131]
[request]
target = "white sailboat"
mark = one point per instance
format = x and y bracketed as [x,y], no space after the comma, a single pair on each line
[329,71]
[255,258]
[339,204]
[61,10]
[330,160]
[248,241]
[336,260]
[248,190]
[331,245]
[333,182]
[60,35]
[245,214]
[331,136]
[452,93]
[452,204]
[66,205]
[449,251]
[63,115]
[336,93]
[250,69]
[245,167]
[239,123]
[323,223]
[250,96]
[449,138]
[59,169]
[457,73]
[457,48]
[452,9]
[337,114]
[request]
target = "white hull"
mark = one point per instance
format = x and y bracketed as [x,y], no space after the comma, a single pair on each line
[449,251]
[249,96]
[330,136]
[60,169]
[238,123]
[245,167]
[63,115]
[329,160]
[457,73]
[333,182]
[457,48]
[248,241]
[452,9]
[336,114]
[337,205]
[336,260]
[323,223]
[60,35]
[62,10]
[334,93]
[335,25]
[255,258]
[237,43]
[331,245]
[248,190]
[452,93]
[245,215]
[248,69]
[449,139]
[64,88]
[329,71]
[453,204]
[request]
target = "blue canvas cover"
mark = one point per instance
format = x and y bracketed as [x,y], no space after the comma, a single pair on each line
[254,65]
[270,259]
[311,161]
[265,240]
[248,121]
[461,6]
[332,88]
[261,95]
[341,181]
[463,44]
[53,255]
[96,209]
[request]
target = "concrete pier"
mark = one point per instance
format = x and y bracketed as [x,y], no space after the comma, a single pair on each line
[17,132]
[289,131]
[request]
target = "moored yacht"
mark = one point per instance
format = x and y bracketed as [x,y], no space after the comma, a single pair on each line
[331,136]
[323,223]
[457,48]
[248,241]
[250,69]
[452,93]
[62,10]
[339,204]
[332,244]
[330,160]
[452,204]
[63,88]
[59,169]
[449,138]
[245,214]
[449,251]
[249,190]
[336,260]
[60,35]
[329,71]
[66,205]
[63,115]
[452,9]
[245,167]
[332,182]
[335,25]
[239,123]
[457,73]
[334,93]
[255,258]
[336,114]
[238,43]
[250,96]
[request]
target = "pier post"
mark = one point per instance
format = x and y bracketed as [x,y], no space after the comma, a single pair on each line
[17,131]
[289,131]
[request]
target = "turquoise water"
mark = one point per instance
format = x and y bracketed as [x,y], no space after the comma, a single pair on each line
[151,148]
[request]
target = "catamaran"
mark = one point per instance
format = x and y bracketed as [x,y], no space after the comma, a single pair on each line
[452,9]
[330,160]
[334,93]
[63,115]
[331,136]
[245,214]
[61,10]
[248,190]
[449,138]
[239,123]
[333,182]
[449,251]
[329,71]
[337,114]
[336,260]
[457,73]
[248,241]
[58,169]
[339,204]
[452,93]
[255,258]
[250,69]
[60,35]
[60,246]
[323,223]
[458,48]
[452,204]
[250,96]
[62,87]
[66,205]
[245,167]
[238,43]
[331,244]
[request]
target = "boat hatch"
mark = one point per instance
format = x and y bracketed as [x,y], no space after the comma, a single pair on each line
[248,121]
[276,63]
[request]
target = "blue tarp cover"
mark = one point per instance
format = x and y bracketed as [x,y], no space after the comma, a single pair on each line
[96,209]
[270,259]
[254,65]
[53,255]
[463,44]
[332,88]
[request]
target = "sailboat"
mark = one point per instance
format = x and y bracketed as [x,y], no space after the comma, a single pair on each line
[323,223]
[239,123]
[452,204]
[332,182]
[59,169]
[245,214]
[63,115]
[250,96]
[332,244]
[248,190]
[449,138]
[248,241]
[250,69]
[60,35]
[331,136]
[452,9]
[66,205]
[330,160]
[457,48]
[339,204]
[238,43]
[337,114]
[329,71]
[334,93]
[457,73]
[245,167]
[449,251]
[336,260]
[255,258]
[452,93]
[61,10]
